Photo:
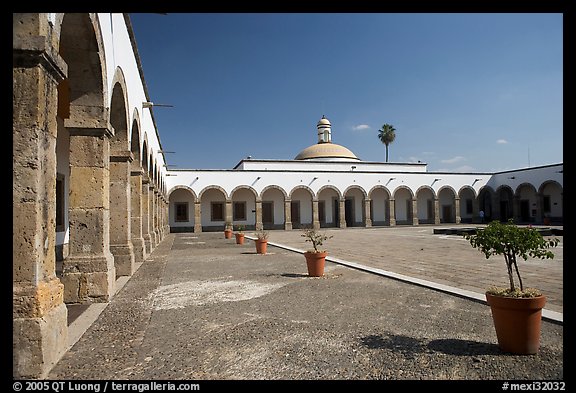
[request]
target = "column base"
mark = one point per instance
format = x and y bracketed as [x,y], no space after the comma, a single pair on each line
[139,249]
[368,223]
[40,328]
[89,279]
[288,226]
[39,343]
[148,244]
[123,259]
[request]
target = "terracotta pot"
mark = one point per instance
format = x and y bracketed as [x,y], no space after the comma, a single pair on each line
[315,262]
[517,322]
[546,221]
[261,245]
[228,233]
[239,238]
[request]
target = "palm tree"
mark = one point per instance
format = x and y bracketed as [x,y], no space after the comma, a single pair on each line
[387,135]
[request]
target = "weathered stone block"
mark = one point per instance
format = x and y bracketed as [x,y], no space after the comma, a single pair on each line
[89,187]
[89,150]
[38,343]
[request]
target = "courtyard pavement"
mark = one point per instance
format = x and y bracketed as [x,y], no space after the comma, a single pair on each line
[204,308]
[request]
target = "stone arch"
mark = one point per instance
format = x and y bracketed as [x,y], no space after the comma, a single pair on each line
[468,204]
[551,202]
[145,156]
[379,205]
[246,207]
[182,187]
[303,187]
[182,209]
[329,198]
[82,48]
[378,187]
[274,204]
[525,203]
[136,193]
[215,209]
[486,202]
[119,113]
[505,201]
[256,196]
[83,104]
[447,205]
[403,211]
[330,187]
[302,207]
[353,187]
[120,162]
[354,206]
[275,187]
[213,187]
[135,141]
[425,204]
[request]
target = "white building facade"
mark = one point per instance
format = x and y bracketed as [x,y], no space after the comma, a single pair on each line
[326,185]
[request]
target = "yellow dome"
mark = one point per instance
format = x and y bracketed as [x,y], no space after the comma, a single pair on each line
[326,150]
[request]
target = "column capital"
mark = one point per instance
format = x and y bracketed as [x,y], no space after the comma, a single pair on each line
[30,51]
[121,156]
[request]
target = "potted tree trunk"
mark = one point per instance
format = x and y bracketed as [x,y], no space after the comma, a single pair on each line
[516,311]
[240,235]
[261,242]
[316,257]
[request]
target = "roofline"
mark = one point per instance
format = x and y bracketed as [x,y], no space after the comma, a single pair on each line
[330,162]
[530,168]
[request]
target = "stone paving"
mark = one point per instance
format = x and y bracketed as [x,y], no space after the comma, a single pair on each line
[446,259]
[203,308]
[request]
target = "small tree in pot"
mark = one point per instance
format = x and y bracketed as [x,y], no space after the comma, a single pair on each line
[516,312]
[316,258]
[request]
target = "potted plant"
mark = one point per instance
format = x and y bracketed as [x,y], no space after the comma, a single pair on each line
[240,234]
[516,311]
[261,241]
[228,231]
[316,257]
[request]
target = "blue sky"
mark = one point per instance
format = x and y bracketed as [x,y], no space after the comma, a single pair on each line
[466,92]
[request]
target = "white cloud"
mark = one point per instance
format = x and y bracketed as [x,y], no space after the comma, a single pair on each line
[501,141]
[361,127]
[452,160]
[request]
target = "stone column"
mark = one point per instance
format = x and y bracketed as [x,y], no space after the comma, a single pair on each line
[342,212]
[392,213]
[166,215]
[156,215]
[367,215]
[40,328]
[89,274]
[415,220]
[197,217]
[120,214]
[152,214]
[136,216]
[288,214]
[146,213]
[436,211]
[457,208]
[259,225]
[228,214]
[315,219]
